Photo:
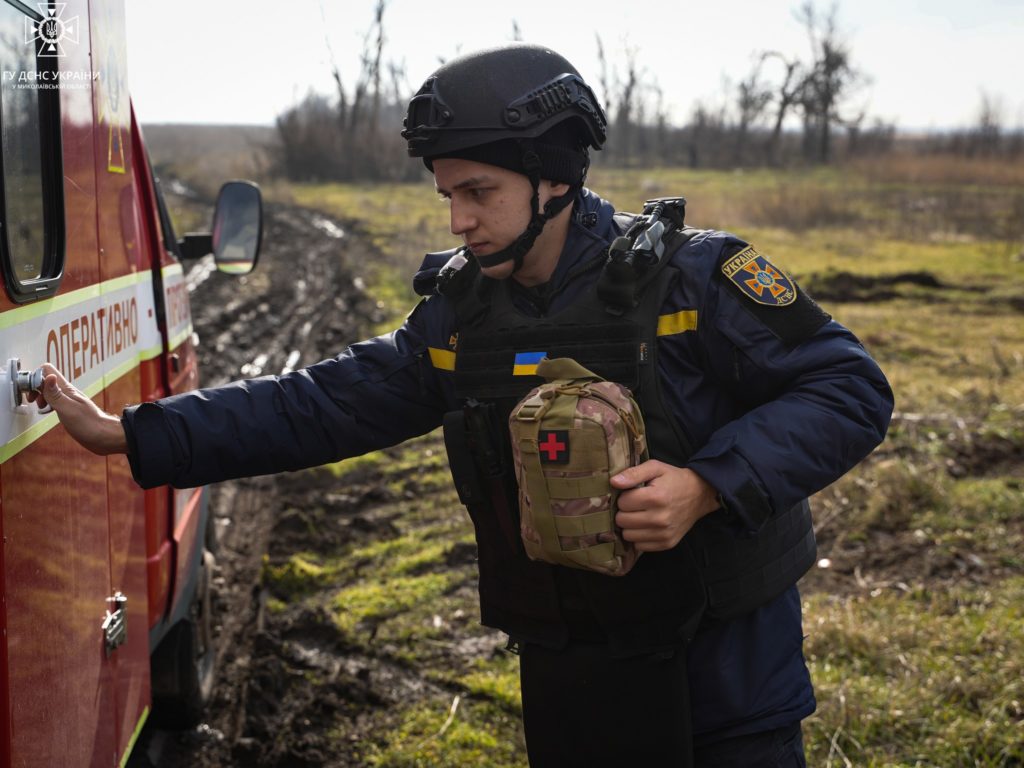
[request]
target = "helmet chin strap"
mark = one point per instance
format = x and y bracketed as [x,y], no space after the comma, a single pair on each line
[521,246]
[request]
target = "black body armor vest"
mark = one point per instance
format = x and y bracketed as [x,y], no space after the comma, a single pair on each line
[711,574]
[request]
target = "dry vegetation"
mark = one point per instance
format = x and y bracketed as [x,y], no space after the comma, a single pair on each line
[206,155]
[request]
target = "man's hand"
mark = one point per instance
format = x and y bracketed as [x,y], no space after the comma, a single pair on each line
[100,432]
[655,516]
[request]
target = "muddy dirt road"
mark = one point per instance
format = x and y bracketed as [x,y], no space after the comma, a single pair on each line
[300,305]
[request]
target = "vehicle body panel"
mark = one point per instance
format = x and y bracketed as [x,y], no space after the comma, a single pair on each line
[75,527]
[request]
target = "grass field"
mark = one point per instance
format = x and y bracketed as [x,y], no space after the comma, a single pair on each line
[915,621]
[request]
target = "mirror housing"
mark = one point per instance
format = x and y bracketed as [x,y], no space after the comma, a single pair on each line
[195,245]
[237,227]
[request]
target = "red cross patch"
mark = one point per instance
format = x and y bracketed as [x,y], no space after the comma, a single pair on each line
[554,446]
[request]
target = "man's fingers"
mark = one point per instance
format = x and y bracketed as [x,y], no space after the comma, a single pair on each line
[642,473]
[646,536]
[650,496]
[51,389]
[55,388]
[636,499]
[639,520]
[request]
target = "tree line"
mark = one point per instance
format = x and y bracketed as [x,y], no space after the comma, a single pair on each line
[352,134]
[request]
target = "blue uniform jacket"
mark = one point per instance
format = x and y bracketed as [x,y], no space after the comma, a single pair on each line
[764,413]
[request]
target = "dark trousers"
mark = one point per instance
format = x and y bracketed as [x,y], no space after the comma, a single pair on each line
[583,707]
[781,748]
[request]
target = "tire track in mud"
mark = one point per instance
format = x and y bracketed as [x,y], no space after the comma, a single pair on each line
[302,303]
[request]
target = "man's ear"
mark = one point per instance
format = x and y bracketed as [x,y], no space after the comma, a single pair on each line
[558,188]
[553,188]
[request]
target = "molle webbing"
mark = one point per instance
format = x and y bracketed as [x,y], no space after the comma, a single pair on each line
[743,573]
[620,344]
[593,430]
[485,363]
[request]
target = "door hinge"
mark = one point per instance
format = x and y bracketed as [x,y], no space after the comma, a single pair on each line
[115,623]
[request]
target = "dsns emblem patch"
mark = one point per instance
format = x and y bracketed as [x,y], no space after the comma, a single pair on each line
[758,279]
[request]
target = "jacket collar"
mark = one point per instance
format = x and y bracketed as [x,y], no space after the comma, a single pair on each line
[591,229]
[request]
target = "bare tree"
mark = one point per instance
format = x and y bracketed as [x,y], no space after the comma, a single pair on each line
[622,102]
[336,75]
[828,82]
[706,136]
[368,84]
[378,52]
[787,96]
[602,61]
[752,98]
[985,137]
[361,139]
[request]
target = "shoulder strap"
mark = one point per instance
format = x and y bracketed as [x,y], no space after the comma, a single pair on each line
[634,264]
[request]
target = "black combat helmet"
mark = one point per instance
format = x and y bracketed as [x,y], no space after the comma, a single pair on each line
[519,106]
[514,91]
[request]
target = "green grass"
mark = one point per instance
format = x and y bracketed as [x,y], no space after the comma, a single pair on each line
[377,599]
[498,679]
[372,460]
[919,679]
[303,573]
[478,735]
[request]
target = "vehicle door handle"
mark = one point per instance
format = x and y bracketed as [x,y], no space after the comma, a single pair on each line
[20,383]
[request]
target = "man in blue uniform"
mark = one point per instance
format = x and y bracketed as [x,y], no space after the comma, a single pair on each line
[754,399]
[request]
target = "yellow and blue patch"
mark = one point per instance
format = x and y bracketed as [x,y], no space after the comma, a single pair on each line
[759,279]
[525,363]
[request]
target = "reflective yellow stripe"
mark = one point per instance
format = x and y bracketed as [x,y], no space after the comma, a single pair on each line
[109,377]
[13,317]
[20,442]
[149,354]
[135,737]
[29,436]
[684,320]
[442,359]
[180,337]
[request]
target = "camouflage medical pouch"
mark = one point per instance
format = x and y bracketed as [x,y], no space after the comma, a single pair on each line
[569,437]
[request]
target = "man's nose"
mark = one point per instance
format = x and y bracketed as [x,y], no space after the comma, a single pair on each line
[462,221]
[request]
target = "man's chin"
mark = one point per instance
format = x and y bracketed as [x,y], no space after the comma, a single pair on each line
[498,271]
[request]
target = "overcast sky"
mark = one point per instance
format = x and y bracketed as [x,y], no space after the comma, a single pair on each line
[927,61]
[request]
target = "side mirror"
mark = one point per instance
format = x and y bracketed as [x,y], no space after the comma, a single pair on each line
[237,227]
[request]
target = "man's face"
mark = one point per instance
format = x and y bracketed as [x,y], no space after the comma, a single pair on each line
[490,206]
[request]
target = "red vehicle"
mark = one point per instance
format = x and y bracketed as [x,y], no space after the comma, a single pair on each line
[104,596]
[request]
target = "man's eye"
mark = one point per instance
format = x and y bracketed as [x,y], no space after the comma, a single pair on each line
[477,194]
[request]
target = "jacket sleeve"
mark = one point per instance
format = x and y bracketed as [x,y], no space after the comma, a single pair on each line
[811,403]
[375,394]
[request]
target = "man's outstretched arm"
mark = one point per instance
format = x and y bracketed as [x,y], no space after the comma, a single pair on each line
[85,421]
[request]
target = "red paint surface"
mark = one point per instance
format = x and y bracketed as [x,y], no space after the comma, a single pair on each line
[76,528]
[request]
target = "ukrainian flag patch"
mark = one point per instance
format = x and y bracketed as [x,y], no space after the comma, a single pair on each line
[758,279]
[526,363]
